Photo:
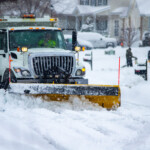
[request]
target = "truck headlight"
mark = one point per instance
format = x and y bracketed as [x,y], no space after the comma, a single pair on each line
[22,71]
[25,73]
[17,70]
[80,72]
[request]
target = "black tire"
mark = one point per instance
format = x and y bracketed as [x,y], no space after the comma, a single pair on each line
[5,83]
[112,45]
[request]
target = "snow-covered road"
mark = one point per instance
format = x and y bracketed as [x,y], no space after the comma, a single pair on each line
[31,124]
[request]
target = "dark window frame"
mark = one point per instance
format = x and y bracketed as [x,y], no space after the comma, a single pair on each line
[102,2]
[84,2]
[93,3]
[102,25]
[116,28]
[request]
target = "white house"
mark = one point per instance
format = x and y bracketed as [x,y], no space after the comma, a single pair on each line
[110,17]
[144,11]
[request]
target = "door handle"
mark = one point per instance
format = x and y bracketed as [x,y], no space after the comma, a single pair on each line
[3,55]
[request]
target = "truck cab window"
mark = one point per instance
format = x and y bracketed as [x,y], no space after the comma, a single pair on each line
[3,40]
[36,39]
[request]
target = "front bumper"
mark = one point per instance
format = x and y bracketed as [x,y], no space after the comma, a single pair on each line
[58,81]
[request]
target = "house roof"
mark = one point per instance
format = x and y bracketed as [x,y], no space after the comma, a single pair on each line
[121,11]
[71,8]
[65,6]
[143,7]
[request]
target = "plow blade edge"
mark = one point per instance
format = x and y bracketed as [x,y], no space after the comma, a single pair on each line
[105,95]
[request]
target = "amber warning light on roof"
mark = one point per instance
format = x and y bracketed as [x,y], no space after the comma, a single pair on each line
[53,19]
[3,19]
[28,16]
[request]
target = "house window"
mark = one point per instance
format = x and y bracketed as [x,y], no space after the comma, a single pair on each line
[102,2]
[116,29]
[84,2]
[93,2]
[102,25]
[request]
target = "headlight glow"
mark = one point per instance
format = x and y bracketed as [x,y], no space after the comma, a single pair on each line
[25,73]
[17,70]
[79,72]
[22,72]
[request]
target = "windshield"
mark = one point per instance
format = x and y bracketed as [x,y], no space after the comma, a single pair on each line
[36,39]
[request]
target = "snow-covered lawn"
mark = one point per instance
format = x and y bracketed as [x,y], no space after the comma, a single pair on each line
[31,124]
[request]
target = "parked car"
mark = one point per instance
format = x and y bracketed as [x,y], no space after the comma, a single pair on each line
[80,42]
[146,39]
[141,69]
[98,40]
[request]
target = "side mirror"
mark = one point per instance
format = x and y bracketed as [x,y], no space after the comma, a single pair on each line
[74,40]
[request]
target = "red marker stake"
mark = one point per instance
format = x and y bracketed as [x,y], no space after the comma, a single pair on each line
[9,68]
[119,73]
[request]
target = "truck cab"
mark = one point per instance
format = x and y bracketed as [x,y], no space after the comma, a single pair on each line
[37,54]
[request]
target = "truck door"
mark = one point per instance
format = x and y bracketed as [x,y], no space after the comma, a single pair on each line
[3,52]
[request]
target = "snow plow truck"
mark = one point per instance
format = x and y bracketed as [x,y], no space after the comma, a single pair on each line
[34,61]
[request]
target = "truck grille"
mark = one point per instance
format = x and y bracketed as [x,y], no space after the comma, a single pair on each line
[47,63]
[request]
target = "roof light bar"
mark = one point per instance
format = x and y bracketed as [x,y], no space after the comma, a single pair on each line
[3,19]
[53,19]
[28,16]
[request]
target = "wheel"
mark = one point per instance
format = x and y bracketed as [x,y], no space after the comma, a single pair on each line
[110,45]
[5,82]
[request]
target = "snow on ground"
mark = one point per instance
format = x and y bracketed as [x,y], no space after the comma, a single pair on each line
[30,123]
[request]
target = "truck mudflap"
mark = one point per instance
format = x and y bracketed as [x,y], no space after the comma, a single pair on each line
[106,96]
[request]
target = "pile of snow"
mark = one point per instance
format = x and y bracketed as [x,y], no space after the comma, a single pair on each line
[65,6]
[122,11]
[86,10]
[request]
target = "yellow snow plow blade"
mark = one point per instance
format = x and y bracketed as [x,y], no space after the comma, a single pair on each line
[105,95]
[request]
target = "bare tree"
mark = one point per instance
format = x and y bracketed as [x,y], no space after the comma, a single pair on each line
[2,2]
[37,7]
[130,36]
